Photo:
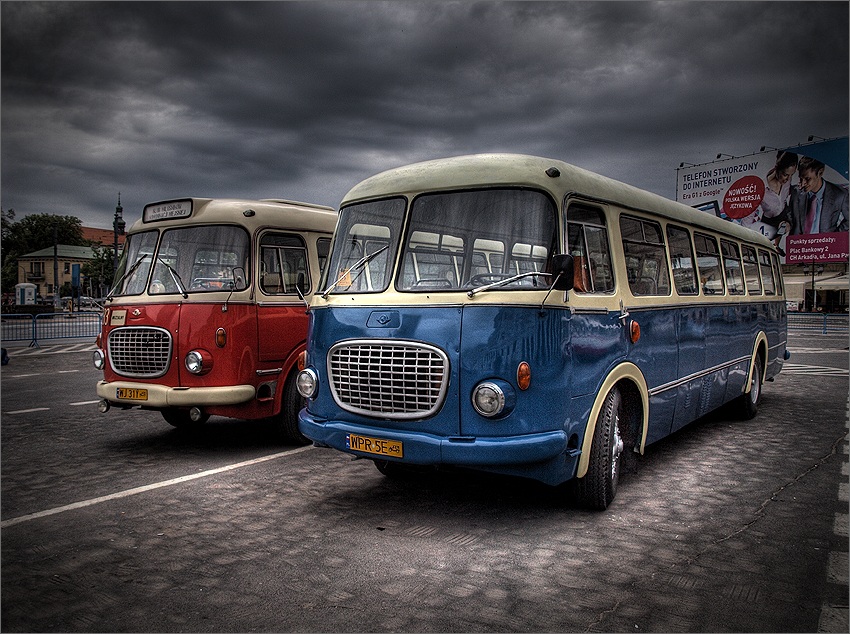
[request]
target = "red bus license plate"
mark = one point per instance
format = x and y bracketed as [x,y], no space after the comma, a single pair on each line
[131,394]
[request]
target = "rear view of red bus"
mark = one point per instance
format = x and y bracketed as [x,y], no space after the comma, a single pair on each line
[207,316]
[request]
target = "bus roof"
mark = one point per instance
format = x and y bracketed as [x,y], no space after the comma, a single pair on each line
[292,215]
[518,170]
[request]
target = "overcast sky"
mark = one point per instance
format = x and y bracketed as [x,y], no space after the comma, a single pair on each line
[301,100]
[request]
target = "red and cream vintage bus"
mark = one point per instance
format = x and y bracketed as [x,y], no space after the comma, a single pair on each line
[208,312]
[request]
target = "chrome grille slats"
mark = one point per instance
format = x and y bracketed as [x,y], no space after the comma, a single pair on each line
[139,351]
[388,378]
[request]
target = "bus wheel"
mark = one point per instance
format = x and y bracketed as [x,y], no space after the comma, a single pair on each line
[597,488]
[180,418]
[286,422]
[749,402]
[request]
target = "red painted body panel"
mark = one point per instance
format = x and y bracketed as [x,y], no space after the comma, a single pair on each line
[259,338]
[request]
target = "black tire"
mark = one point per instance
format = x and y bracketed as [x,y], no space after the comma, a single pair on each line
[286,422]
[180,419]
[596,490]
[748,404]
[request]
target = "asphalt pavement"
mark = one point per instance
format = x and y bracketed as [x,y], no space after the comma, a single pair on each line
[119,523]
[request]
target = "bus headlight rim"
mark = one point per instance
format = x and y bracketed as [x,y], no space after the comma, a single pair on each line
[488,399]
[198,362]
[98,359]
[307,382]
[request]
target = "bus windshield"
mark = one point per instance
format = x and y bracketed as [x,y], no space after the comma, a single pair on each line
[463,240]
[188,260]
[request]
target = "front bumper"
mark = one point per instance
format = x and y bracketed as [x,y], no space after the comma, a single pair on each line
[164,396]
[429,449]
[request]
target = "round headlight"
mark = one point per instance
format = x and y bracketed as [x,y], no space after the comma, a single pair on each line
[197,364]
[488,399]
[307,383]
[98,359]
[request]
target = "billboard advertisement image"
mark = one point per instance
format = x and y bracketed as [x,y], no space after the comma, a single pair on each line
[797,197]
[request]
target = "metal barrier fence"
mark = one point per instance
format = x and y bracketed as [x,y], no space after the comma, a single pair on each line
[818,323]
[32,328]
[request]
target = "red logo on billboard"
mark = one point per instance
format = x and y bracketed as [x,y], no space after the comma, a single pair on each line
[743,197]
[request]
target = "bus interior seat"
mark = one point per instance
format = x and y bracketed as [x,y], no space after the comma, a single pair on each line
[271,283]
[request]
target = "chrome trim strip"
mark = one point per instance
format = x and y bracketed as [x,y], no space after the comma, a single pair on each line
[696,375]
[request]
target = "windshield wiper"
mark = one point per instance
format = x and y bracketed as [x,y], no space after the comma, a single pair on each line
[129,272]
[360,263]
[505,281]
[178,282]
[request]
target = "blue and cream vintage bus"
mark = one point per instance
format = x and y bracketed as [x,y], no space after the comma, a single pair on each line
[523,316]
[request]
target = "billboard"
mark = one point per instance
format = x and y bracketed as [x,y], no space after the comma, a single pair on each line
[797,197]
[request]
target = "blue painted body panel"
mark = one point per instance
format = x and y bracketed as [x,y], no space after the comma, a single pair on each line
[570,354]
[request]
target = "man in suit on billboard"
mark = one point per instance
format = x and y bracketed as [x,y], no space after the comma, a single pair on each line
[815,204]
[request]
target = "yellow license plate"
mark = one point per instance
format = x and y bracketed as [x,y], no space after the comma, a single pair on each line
[131,394]
[377,446]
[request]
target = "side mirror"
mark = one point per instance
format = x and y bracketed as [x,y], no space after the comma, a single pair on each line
[563,271]
[239,279]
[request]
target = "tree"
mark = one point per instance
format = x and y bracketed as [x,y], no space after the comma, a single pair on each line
[99,270]
[33,233]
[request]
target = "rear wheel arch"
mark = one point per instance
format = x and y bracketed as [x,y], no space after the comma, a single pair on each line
[760,354]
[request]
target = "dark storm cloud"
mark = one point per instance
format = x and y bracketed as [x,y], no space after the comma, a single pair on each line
[302,100]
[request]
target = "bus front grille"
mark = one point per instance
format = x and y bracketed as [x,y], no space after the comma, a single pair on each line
[139,352]
[388,379]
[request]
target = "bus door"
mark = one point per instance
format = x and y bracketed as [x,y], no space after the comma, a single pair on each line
[717,345]
[281,315]
[652,341]
[691,319]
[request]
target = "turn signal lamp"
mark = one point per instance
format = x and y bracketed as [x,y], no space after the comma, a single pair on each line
[523,376]
[220,337]
[634,331]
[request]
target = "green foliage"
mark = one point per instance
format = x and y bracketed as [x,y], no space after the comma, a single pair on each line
[33,233]
[99,270]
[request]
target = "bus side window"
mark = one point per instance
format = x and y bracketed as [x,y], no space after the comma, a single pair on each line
[767,273]
[682,259]
[777,274]
[283,264]
[732,266]
[587,242]
[323,248]
[646,256]
[751,271]
[708,263]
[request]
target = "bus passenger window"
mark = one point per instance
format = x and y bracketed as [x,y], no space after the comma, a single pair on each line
[646,256]
[777,274]
[708,263]
[751,271]
[283,264]
[587,242]
[767,273]
[323,248]
[682,259]
[732,266]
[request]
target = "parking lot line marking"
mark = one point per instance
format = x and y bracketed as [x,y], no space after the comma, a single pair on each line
[84,403]
[66,371]
[21,376]
[148,487]
[27,411]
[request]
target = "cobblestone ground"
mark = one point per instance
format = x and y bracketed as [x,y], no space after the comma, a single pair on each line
[728,525]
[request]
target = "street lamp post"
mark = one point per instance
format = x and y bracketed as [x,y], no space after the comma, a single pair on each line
[118,225]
